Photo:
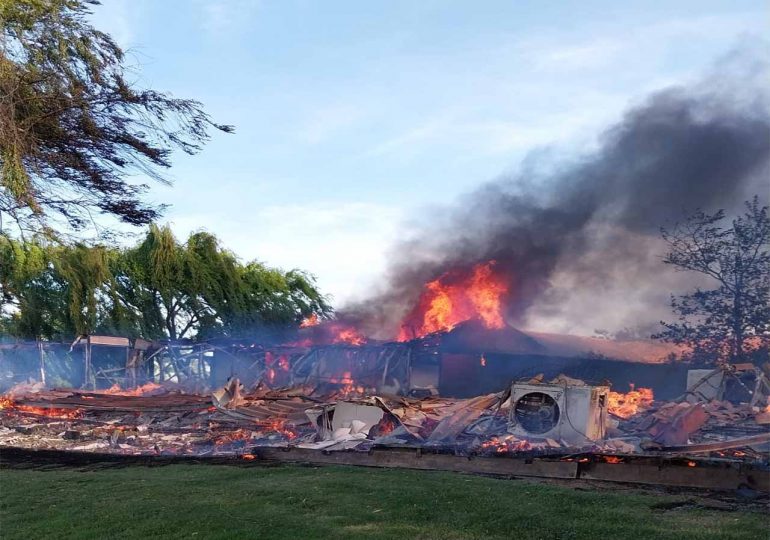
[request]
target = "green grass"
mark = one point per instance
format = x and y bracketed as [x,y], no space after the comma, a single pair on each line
[294,502]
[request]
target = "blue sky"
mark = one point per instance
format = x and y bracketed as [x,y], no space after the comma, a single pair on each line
[352,118]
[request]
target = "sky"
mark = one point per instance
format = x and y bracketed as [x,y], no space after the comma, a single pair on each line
[354,118]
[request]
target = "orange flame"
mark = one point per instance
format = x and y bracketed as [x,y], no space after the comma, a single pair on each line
[628,404]
[307,322]
[50,412]
[279,425]
[273,367]
[506,444]
[447,301]
[349,386]
[116,390]
[349,335]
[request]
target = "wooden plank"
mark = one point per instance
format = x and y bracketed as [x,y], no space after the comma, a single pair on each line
[412,459]
[109,341]
[720,445]
[723,477]
[717,476]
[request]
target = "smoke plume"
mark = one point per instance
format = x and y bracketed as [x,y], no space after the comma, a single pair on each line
[579,241]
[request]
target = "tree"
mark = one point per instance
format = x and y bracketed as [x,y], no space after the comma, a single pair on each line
[51,290]
[158,289]
[30,295]
[72,126]
[200,289]
[177,290]
[732,320]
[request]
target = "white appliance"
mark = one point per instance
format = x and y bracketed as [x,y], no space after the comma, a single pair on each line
[573,414]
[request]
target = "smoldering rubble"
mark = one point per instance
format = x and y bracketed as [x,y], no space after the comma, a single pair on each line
[521,421]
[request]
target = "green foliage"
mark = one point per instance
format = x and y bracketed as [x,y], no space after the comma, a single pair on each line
[72,125]
[159,288]
[732,320]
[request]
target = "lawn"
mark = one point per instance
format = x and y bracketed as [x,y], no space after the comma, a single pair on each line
[295,502]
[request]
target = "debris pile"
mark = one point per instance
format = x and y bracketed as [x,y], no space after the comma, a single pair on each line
[527,419]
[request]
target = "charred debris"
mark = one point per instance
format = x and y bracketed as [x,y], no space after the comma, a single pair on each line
[520,395]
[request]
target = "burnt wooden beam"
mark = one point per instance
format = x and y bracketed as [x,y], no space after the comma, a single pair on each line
[707,476]
[719,445]
[411,459]
[716,475]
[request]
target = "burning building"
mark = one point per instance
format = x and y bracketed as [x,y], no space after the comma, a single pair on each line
[441,361]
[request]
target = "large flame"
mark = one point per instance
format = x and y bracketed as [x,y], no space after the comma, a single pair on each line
[628,404]
[451,299]
[348,335]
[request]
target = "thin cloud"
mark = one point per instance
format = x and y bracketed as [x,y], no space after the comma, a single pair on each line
[223,17]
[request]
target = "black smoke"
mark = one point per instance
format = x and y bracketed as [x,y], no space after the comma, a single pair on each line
[579,241]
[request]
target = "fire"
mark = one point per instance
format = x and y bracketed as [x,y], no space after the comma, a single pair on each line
[327,332]
[146,388]
[627,405]
[279,425]
[275,367]
[348,335]
[349,386]
[307,322]
[506,444]
[451,299]
[283,363]
[50,412]
[233,436]
[386,425]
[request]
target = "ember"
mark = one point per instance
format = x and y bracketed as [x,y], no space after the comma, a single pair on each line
[8,405]
[279,425]
[48,412]
[452,299]
[505,444]
[385,426]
